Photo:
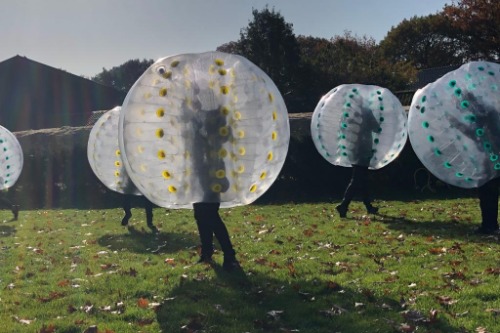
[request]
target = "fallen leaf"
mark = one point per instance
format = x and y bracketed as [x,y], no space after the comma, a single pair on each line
[142,303]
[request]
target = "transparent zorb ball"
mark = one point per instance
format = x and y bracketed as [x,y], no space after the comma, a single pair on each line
[11,159]
[454,125]
[209,127]
[357,124]
[104,155]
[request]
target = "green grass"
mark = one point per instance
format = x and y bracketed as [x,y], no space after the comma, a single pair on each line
[414,268]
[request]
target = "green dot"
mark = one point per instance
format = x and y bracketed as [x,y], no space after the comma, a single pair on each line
[319,137]
[459,174]
[343,125]
[351,96]
[422,109]
[381,119]
[344,154]
[481,68]
[447,165]
[452,83]
[464,104]
[437,152]
[323,147]
[8,166]
[430,138]
[7,158]
[343,147]
[354,89]
[374,151]
[472,86]
[480,132]
[497,166]
[424,98]
[471,118]
[342,136]
[327,154]
[493,157]
[379,130]
[376,141]
[379,92]
[491,73]
[468,179]
[487,145]
[425,124]
[4,149]
[8,175]
[346,114]
[381,108]
[348,105]
[380,98]
[458,92]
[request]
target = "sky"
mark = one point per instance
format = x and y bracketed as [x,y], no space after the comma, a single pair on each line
[85,36]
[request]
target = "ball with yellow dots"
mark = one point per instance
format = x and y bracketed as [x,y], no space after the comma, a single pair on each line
[355,124]
[105,156]
[208,127]
[11,158]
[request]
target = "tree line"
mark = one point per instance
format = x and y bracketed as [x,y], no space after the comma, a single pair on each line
[305,67]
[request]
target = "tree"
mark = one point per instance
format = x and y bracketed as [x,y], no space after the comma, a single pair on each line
[269,42]
[478,22]
[428,41]
[124,76]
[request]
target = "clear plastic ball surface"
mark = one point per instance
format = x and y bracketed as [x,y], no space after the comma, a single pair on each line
[104,155]
[357,124]
[209,127]
[11,159]
[454,125]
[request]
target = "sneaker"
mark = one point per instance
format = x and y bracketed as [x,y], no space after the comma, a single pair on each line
[342,210]
[230,264]
[487,231]
[205,260]
[126,218]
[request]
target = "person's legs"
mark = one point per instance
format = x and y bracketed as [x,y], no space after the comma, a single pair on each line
[203,214]
[6,203]
[126,208]
[148,207]
[488,203]
[355,185]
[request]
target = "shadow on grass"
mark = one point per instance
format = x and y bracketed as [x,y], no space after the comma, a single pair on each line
[447,229]
[7,231]
[142,241]
[252,302]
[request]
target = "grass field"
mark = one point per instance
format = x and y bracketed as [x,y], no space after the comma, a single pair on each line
[416,267]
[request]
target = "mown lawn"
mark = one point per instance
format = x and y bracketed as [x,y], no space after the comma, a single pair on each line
[417,267]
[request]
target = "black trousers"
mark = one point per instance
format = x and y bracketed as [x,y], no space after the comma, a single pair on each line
[488,202]
[357,185]
[209,224]
[148,207]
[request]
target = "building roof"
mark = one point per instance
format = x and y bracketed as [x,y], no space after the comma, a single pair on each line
[36,96]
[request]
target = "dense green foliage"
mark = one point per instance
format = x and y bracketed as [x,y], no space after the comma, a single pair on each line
[415,268]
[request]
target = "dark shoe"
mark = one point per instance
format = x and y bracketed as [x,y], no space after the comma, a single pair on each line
[126,218]
[342,210]
[487,231]
[372,210]
[15,211]
[230,264]
[205,260]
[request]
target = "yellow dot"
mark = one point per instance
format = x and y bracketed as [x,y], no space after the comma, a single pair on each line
[138,131]
[241,134]
[118,163]
[160,112]
[161,154]
[220,174]
[143,167]
[263,175]
[167,75]
[242,151]
[187,154]
[224,110]
[172,189]
[240,169]
[117,173]
[216,188]
[275,115]
[118,152]
[219,62]
[163,92]
[166,174]
[271,97]
[270,156]
[147,95]
[223,131]
[211,69]
[222,153]
[159,133]
[140,149]
[237,115]
[174,63]
[253,188]
[224,90]
[222,71]
[274,135]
